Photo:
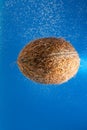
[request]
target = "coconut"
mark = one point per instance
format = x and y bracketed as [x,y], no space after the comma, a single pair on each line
[49,60]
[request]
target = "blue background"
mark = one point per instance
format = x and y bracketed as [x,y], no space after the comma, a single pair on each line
[24,104]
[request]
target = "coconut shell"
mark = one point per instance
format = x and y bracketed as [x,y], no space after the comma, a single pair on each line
[49,60]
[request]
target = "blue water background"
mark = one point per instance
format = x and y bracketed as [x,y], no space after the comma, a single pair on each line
[24,104]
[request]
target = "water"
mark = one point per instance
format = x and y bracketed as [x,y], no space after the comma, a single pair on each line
[27,105]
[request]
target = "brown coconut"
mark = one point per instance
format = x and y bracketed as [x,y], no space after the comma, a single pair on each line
[49,60]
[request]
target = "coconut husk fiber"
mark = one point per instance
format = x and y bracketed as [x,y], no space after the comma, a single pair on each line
[49,60]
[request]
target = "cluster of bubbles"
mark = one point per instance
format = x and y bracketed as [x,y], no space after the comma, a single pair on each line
[34,19]
[42,18]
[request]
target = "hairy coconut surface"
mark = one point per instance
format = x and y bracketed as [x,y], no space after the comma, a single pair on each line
[49,60]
